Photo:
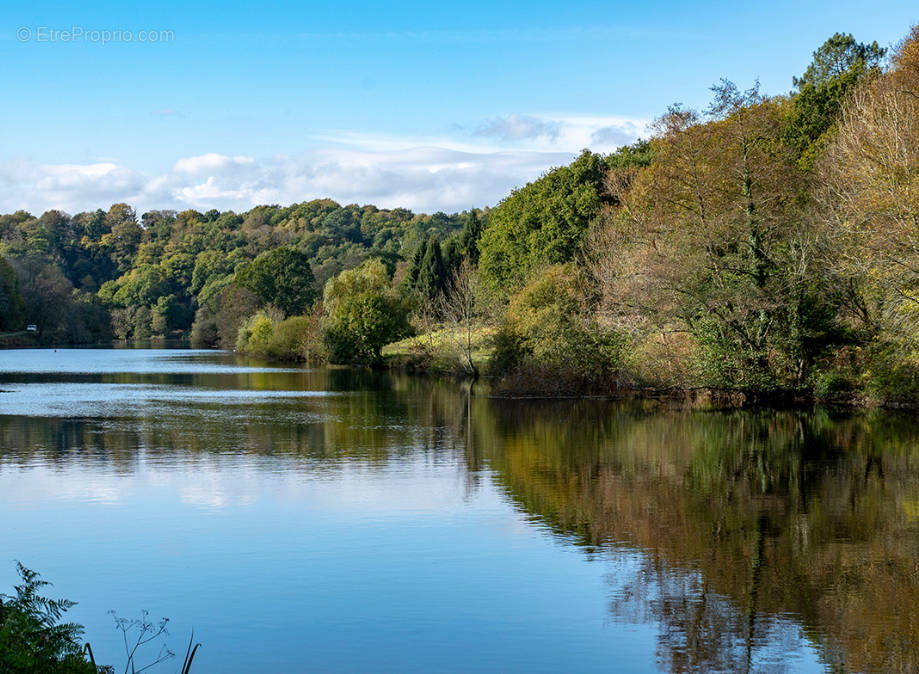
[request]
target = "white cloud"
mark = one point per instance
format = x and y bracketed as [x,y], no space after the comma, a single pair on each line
[564,132]
[450,172]
[43,186]
[599,133]
[519,127]
[618,134]
[211,162]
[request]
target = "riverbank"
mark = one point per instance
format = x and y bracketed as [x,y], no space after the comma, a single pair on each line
[444,351]
[436,355]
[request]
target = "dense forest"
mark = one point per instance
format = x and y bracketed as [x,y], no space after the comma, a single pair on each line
[766,245]
[109,274]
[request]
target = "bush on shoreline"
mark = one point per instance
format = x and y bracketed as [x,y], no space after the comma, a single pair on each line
[294,339]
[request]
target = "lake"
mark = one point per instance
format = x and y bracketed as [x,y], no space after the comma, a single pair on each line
[335,520]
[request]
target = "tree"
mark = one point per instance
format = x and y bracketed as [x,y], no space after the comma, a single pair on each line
[208,264]
[255,334]
[123,237]
[414,268]
[281,277]
[470,235]
[541,223]
[869,198]
[547,341]
[12,309]
[838,56]
[46,294]
[363,313]
[168,314]
[432,275]
[460,306]
[711,239]
[838,65]
[233,307]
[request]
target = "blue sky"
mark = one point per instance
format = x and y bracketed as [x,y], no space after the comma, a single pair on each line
[420,104]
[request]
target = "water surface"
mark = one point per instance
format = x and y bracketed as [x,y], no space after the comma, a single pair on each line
[329,520]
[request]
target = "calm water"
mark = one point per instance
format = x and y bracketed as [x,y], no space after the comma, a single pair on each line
[328,520]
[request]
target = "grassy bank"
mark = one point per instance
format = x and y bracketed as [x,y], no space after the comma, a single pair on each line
[442,351]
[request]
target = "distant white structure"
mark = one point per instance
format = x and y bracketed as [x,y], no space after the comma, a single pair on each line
[31,327]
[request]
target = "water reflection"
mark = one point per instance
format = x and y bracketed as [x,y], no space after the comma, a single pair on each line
[745,519]
[733,541]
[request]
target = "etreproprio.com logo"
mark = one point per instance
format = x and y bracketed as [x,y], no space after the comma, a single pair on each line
[101,36]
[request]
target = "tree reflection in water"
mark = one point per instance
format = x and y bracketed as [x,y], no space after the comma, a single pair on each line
[746,521]
[743,529]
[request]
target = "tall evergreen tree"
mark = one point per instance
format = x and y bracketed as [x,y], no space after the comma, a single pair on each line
[838,65]
[432,276]
[414,269]
[469,238]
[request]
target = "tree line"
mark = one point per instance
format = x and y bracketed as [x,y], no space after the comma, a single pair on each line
[100,275]
[765,245]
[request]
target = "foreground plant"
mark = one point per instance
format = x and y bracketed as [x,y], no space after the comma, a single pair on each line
[139,632]
[32,636]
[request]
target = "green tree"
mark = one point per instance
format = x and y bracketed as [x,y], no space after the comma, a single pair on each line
[208,264]
[542,223]
[255,335]
[470,235]
[363,314]
[432,276]
[12,309]
[124,236]
[169,314]
[836,57]
[281,277]
[142,323]
[838,65]
[546,340]
[414,267]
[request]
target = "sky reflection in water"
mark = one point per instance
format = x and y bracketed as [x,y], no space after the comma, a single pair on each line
[332,520]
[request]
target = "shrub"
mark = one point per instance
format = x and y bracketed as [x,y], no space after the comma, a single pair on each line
[892,376]
[297,338]
[546,339]
[363,314]
[832,384]
[32,636]
[204,332]
[255,334]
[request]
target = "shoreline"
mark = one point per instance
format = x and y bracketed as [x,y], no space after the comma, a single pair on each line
[700,398]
